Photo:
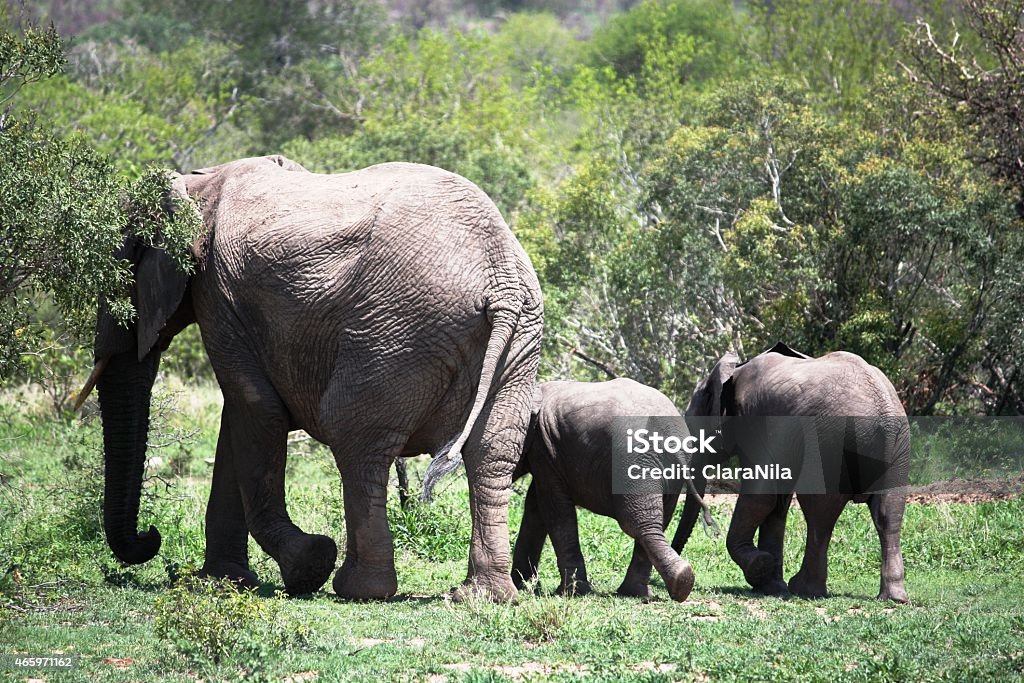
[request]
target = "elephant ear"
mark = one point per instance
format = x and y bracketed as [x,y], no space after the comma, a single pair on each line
[286,163]
[721,375]
[784,350]
[706,400]
[728,406]
[160,283]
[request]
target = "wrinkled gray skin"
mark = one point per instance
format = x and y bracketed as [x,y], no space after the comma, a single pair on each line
[782,382]
[569,454]
[385,311]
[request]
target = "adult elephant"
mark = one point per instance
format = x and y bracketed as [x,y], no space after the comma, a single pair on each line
[862,440]
[387,312]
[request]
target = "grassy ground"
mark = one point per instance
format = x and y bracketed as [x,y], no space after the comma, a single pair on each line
[61,591]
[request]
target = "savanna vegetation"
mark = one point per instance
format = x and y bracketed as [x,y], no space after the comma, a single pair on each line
[688,176]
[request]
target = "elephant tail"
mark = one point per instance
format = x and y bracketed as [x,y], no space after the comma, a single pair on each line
[503,325]
[693,506]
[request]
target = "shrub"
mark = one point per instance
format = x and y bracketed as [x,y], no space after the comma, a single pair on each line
[212,622]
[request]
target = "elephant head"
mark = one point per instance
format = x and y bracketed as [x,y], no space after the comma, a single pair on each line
[126,358]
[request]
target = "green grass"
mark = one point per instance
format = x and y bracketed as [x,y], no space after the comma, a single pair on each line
[62,591]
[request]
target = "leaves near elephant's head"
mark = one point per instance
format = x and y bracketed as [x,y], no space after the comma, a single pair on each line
[162,217]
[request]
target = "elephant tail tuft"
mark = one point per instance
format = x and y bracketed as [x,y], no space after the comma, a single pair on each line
[447,460]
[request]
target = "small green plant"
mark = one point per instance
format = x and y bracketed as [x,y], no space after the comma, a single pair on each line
[213,622]
[536,620]
[8,588]
[435,531]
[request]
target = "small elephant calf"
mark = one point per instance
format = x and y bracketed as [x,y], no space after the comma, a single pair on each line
[867,426]
[569,453]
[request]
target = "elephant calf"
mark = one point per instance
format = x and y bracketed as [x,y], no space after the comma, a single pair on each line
[865,423]
[569,453]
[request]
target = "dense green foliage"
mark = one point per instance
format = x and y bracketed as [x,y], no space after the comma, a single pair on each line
[689,176]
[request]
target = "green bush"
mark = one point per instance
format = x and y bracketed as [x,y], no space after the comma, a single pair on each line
[212,622]
[186,356]
[497,169]
[434,531]
[701,35]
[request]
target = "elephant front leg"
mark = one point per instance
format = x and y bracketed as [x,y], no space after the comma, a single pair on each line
[751,511]
[227,536]
[770,539]
[560,519]
[637,582]
[529,542]
[259,448]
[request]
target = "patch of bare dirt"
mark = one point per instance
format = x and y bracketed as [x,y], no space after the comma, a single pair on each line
[365,643]
[968,490]
[526,669]
[711,611]
[653,667]
[119,662]
[755,609]
[302,677]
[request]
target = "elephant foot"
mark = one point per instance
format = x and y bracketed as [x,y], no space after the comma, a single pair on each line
[356,582]
[306,562]
[803,588]
[895,593]
[234,572]
[634,589]
[776,587]
[575,589]
[760,568]
[681,583]
[499,589]
[574,582]
[522,578]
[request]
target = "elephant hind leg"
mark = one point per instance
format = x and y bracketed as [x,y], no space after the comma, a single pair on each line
[368,571]
[751,512]
[636,583]
[490,455]
[821,511]
[644,518]
[530,541]
[771,539]
[675,571]
[887,513]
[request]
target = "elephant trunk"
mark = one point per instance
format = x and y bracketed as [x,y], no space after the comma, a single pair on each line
[124,392]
